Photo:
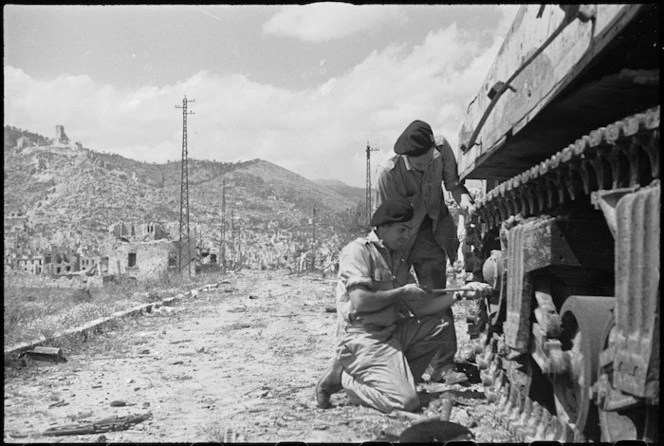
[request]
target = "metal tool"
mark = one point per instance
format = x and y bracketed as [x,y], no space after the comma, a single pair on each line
[448,290]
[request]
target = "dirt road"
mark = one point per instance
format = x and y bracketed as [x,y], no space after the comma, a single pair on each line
[244,357]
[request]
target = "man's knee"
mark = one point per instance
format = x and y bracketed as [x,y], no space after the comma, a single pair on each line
[407,401]
[412,403]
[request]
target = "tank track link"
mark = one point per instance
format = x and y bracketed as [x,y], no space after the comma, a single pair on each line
[622,154]
[524,418]
[607,158]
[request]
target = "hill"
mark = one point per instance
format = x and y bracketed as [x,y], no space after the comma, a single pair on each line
[70,196]
[355,194]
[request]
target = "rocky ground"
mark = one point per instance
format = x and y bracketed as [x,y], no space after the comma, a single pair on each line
[239,362]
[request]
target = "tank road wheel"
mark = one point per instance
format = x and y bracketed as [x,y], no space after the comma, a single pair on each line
[637,423]
[583,320]
[634,424]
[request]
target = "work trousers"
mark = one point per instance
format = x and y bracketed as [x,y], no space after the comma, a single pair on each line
[430,264]
[382,368]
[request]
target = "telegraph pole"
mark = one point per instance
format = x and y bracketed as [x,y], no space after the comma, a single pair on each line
[313,241]
[240,257]
[185,243]
[368,191]
[233,239]
[222,242]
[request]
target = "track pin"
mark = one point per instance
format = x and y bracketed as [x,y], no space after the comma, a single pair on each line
[487,378]
[491,395]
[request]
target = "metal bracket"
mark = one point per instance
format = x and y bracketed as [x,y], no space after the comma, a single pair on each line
[607,200]
[548,353]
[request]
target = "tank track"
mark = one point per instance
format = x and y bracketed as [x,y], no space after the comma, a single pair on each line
[524,418]
[607,158]
[622,154]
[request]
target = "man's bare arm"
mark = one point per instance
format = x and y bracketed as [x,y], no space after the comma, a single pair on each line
[373,300]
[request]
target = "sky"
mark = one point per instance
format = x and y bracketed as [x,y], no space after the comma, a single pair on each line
[306,87]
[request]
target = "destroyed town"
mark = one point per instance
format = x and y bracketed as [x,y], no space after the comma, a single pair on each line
[331,223]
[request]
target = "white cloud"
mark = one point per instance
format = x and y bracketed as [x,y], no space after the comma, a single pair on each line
[319,132]
[320,22]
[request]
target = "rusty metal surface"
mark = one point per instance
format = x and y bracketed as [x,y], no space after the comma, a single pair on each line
[620,155]
[637,290]
[531,246]
[536,70]
[529,421]
[519,289]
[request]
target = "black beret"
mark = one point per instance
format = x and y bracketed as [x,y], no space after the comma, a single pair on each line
[394,210]
[415,140]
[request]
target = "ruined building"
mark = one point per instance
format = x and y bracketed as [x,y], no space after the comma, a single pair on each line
[30,263]
[61,139]
[143,251]
[59,263]
[140,232]
[60,135]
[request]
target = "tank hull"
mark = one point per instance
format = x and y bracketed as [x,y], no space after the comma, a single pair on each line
[565,132]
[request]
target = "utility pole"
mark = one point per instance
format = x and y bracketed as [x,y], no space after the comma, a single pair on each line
[368,191]
[239,243]
[185,243]
[313,241]
[222,242]
[233,239]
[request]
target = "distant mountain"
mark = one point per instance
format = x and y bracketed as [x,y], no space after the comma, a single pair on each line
[356,194]
[71,195]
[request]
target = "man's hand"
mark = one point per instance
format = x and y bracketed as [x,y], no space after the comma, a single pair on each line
[466,205]
[414,293]
[475,290]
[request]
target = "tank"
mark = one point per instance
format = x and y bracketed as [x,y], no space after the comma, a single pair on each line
[565,134]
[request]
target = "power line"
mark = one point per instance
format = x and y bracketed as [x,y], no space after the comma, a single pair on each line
[185,241]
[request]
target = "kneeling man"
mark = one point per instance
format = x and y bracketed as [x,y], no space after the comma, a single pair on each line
[388,327]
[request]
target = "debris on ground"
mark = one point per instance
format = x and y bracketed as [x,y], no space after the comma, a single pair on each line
[257,374]
[110,424]
[41,356]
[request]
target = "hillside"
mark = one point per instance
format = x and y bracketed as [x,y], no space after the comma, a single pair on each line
[71,195]
[356,194]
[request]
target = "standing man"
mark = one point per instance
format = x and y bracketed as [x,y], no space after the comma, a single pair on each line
[388,327]
[417,172]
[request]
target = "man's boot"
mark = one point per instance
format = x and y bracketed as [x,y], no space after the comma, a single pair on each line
[330,383]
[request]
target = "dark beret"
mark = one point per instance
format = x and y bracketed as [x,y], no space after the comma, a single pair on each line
[394,210]
[415,140]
